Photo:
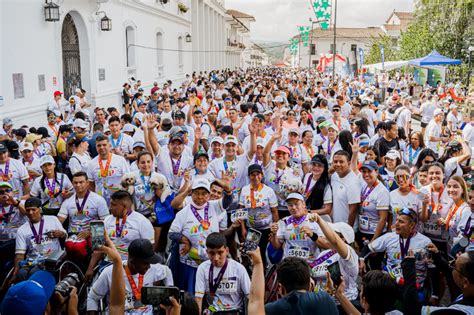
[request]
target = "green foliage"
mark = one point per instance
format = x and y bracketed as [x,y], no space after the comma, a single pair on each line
[390,53]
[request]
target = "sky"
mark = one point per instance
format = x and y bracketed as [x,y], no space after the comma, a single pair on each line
[276,20]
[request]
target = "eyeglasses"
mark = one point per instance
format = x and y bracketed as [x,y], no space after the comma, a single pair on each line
[6,191]
[428,161]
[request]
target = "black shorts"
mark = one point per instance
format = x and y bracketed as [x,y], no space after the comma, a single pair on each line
[423,124]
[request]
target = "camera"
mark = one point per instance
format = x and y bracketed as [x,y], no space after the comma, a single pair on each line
[64,286]
[160,295]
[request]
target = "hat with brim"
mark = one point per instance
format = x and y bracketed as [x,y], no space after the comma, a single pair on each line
[6,184]
[32,137]
[392,155]
[370,165]
[231,139]
[201,183]
[283,149]
[3,148]
[345,229]
[218,140]
[318,159]
[199,154]
[175,137]
[295,196]
[255,168]
[143,249]
[47,159]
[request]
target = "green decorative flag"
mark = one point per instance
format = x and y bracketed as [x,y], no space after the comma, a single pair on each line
[322,10]
[304,34]
[294,46]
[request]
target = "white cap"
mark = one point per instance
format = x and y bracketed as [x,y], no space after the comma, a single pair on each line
[201,183]
[261,142]
[345,229]
[231,139]
[217,139]
[139,116]
[47,159]
[78,90]
[393,155]
[278,99]
[295,196]
[453,106]
[437,111]
[79,123]
[128,128]
[86,112]
[26,146]
[57,112]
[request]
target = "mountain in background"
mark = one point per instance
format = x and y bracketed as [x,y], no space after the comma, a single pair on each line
[274,49]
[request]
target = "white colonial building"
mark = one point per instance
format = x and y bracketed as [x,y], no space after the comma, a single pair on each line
[150,40]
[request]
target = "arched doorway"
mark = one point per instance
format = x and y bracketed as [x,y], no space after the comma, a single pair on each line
[71,57]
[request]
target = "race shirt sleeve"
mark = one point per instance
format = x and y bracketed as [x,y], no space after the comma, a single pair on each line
[200,286]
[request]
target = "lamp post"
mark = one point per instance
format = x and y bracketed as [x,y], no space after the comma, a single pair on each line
[51,11]
[334,43]
[311,41]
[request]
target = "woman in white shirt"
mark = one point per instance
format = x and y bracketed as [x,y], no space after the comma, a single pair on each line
[455,154]
[457,191]
[80,158]
[413,149]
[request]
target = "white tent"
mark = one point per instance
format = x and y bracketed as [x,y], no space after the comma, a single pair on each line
[388,65]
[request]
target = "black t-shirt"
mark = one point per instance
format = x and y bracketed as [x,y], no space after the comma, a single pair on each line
[384,146]
[303,303]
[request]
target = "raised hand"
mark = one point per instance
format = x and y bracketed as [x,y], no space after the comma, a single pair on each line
[355,146]
[197,133]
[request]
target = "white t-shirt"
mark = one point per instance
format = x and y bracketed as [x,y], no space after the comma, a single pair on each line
[17,172]
[433,130]
[188,225]
[34,166]
[103,285]
[259,215]
[295,242]
[451,168]
[107,185]
[455,120]
[232,289]
[144,195]
[95,208]
[468,134]
[136,226]
[238,168]
[427,110]
[377,199]
[277,180]
[346,191]
[431,228]
[60,184]
[329,148]
[398,202]
[25,240]
[124,142]
[11,224]
[165,167]
[78,162]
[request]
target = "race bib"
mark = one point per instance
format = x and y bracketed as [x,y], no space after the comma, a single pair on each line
[300,252]
[431,228]
[364,222]
[239,214]
[319,271]
[227,286]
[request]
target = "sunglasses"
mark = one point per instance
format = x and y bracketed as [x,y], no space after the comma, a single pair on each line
[410,213]
[5,191]
[291,115]
[403,177]
[336,110]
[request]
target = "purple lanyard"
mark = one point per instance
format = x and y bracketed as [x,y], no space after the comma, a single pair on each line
[175,166]
[295,221]
[37,235]
[308,182]
[277,179]
[198,217]
[322,259]
[404,246]
[5,172]
[366,193]
[119,227]
[213,285]
[80,207]
[50,187]
[329,147]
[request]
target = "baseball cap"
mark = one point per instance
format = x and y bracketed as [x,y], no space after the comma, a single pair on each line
[47,159]
[217,139]
[58,93]
[143,249]
[7,121]
[139,144]
[231,139]
[33,202]
[455,145]
[437,111]
[199,154]
[345,229]
[128,128]
[453,106]
[32,137]
[139,116]
[30,296]
[57,113]
[294,130]
[20,132]
[259,117]
[201,183]
[176,136]
[179,114]
[261,142]
[392,154]
[319,159]
[80,123]
[295,196]
[254,168]
[325,124]
[370,165]
[6,184]
[283,149]
[3,148]
[278,99]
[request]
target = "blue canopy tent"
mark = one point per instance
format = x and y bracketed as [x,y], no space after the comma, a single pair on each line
[434,58]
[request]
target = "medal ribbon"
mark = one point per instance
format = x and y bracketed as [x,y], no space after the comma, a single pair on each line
[277,180]
[213,285]
[307,191]
[434,207]
[205,222]
[115,143]
[295,221]
[137,291]
[146,183]
[175,166]
[365,194]
[412,157]
[404,246]
[253,202]
[37,235]
[329,146]
[51,187]
[451,213]
[119,227]
[5,172]
[322,258]
[105,172]
[309,149]
[80,207]
[467,227]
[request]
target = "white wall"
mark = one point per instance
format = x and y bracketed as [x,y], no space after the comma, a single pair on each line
[34,47]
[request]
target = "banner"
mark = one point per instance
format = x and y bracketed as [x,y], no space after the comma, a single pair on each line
[382,55]
[361,57]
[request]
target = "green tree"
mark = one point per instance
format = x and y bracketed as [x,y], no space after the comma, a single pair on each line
[390,53]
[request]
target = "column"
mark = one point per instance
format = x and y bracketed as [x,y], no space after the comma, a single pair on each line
[201,36]
[195,34]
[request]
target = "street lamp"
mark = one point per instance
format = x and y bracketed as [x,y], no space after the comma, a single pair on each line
[105,22]
[188,38]
[51,11]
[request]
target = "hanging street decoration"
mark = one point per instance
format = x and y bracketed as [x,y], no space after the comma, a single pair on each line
[322,10]
[294,46]
[304,34]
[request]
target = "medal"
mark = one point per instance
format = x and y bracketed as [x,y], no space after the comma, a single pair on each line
[5,173]
[37,235]
[463,242]
[214,285]
[135,290]
[51,187]
[80,207]
[119,227]
[104,172]
[204,222]
[175,166]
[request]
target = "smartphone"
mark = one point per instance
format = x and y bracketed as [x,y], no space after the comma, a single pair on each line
[160,295]
[335,272]
[252,240]
[97,234]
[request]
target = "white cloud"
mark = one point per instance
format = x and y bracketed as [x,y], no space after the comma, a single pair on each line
[276,20]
